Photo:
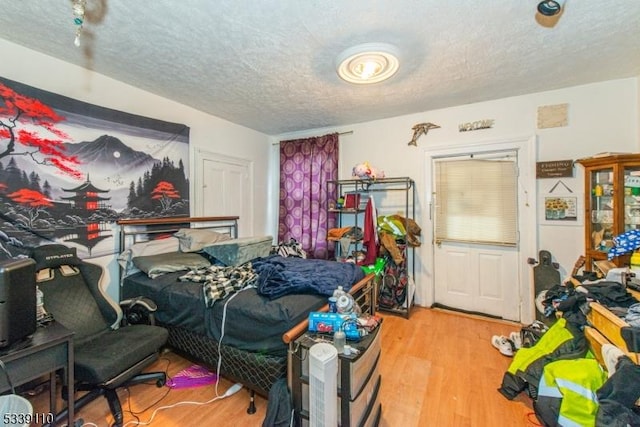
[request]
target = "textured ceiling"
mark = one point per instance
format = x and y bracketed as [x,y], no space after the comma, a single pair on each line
[269,64]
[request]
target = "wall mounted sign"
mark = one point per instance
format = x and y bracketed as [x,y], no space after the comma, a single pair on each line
[561,209]
[477,125]
[553,116]
[554,169]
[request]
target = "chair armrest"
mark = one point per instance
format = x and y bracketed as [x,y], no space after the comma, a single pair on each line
[138,310]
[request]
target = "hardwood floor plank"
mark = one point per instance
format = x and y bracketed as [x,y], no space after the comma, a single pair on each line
[438,369]
[465,371]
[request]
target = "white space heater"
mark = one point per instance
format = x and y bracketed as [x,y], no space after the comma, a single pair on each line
[323,385]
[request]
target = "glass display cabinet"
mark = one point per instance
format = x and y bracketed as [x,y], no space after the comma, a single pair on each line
[612,204]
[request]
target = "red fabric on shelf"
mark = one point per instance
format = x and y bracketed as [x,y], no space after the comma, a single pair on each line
[370,239]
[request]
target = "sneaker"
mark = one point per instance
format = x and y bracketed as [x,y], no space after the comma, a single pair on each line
[539,325]
[539,302]
[503,344]
[516,340]
[611,355]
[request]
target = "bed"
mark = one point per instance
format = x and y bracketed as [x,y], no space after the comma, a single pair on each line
[247,331]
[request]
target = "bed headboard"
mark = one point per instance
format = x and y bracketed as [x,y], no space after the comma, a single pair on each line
[138,230]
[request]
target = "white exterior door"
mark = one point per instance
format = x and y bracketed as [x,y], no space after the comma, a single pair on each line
[224,188]
[477,278]
[481,278]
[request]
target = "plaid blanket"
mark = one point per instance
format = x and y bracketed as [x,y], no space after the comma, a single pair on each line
[218,282]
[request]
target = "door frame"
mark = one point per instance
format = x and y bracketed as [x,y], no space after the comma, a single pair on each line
[527,208]
[202,155]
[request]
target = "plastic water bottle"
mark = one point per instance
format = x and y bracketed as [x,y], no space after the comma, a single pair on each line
[345,304]
[333,305]
[338,292]
[339,340]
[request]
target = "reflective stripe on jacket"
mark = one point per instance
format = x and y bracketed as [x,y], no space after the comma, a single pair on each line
[567,393]
[563,340]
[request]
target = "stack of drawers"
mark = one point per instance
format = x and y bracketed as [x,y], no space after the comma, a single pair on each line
[358,381]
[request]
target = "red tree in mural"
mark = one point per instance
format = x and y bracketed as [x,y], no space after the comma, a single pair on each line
[28,128]
[165,192]
[33,203]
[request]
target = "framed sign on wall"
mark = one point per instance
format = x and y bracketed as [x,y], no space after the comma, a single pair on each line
[561,209]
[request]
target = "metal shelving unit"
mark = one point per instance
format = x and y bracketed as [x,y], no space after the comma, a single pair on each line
[351,216]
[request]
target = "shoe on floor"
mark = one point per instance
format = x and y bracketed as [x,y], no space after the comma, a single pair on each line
[611,355]
[503,344]
[516,340]
[539,325]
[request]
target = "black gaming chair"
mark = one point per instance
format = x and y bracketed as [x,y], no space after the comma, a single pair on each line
[107,355]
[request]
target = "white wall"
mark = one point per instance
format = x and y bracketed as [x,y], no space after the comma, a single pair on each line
[207,132]
[602,117]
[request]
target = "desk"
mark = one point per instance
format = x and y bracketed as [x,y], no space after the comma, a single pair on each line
[49,349]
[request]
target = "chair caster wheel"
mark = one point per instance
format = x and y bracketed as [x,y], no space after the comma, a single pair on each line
[160,383]
[252,403]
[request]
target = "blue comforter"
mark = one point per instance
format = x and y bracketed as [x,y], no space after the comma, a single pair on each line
[278,276]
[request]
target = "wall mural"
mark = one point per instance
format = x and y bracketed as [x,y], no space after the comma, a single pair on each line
[69,170]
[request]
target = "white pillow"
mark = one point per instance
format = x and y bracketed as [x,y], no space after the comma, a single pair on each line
[159,264]
[152,247]
[194,239]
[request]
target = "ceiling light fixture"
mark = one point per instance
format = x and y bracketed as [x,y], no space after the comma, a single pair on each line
[368,63]
[550,7]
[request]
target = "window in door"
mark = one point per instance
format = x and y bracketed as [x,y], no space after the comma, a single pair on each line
[476,199]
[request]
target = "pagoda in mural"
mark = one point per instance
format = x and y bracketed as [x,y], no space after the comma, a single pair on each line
[85,200]
[87,197]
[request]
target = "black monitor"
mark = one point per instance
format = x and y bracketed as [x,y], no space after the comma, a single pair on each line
[17,300]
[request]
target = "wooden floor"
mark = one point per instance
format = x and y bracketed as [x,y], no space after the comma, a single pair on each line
[438,369]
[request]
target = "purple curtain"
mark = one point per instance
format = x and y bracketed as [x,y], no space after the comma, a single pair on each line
[305,167]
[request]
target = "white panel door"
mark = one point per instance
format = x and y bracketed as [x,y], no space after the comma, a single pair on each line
[477,278]
[224,189]
[495,280]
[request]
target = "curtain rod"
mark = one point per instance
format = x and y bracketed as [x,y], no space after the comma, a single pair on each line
[349,132]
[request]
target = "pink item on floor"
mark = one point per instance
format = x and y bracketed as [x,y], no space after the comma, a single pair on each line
[193,376]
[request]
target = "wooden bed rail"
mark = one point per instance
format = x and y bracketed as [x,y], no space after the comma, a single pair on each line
[365,285]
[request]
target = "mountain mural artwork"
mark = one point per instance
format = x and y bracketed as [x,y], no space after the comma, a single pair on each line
[69,170]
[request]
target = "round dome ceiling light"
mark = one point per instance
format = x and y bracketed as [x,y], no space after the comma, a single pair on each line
[368,63]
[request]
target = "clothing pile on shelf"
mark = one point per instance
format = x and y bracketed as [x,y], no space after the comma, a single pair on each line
[395,231]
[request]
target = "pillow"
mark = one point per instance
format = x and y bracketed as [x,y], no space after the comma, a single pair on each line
[194,239]
[53,256]
[238,251]
[152,247]
[157,265]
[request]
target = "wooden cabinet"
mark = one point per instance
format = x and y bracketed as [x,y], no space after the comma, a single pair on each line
[359,380]
[611,205]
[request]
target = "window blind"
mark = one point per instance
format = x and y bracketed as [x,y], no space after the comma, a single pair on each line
[476,201]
